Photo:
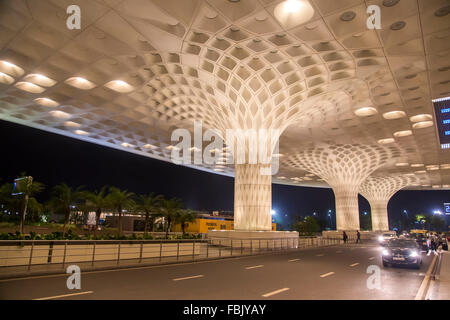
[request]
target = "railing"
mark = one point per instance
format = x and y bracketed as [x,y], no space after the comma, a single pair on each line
[53,255]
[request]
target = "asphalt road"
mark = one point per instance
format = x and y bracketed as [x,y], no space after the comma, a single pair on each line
[338,272]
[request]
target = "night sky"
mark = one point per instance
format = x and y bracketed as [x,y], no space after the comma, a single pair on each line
[52,158]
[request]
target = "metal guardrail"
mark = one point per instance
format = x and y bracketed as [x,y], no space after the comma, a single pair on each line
[37,254]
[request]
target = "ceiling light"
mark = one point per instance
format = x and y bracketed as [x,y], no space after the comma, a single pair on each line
[404,133]
[127,145]
[386,141]
[392,115]
[421,117]
[398,25]
[291,13]
[416,165]
[46,102]
[366,111]
[149,146]
[80,83]
[348,16]
[390,3]
[423,124]
[29,87]
[40,79]
[11,69]
[72,124]
[442,12]
[119,86]
[5,79]
[81,132]
[60,114]
[402,164]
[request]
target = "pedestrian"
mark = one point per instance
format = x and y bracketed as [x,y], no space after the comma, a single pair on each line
[358,236]
[345,237]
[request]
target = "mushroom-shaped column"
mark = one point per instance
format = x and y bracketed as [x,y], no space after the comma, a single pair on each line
[378,191]
[344,168]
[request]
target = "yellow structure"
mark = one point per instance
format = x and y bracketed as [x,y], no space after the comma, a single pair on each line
[203,225]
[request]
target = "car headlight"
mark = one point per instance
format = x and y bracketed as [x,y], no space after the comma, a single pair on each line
[385,252]
[380,238]
[413,254]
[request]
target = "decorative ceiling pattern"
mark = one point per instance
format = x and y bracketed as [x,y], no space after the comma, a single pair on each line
[139,69]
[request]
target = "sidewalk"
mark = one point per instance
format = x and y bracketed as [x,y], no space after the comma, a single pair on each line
[440,289]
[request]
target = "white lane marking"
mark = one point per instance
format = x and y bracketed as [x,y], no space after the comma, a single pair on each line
[254,267]
[65,295]
[292,260]
[421,294]
[186,278]
[274,292]
[320,255]
[371,258]
[354,264]
[327,274]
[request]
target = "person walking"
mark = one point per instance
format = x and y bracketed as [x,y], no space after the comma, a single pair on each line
[344,235]
[358,236]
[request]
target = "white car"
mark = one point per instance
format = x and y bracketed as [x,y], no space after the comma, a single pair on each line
[385,237]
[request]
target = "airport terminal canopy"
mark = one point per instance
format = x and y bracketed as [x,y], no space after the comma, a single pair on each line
[336,89]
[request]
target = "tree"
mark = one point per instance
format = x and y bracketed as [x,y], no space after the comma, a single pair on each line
[98,200]
[149,205]
[170,209]
[309,226]
[119,200]
[184,217]
[62,200]
[25,189]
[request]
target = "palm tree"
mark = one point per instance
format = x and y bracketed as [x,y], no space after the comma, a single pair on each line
[62,200]
[149,204]
[119,200]
[184,217]
[26,188]
[98,201]
[170,209]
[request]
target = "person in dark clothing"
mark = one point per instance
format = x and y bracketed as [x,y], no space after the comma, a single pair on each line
[358,236]
[345,237]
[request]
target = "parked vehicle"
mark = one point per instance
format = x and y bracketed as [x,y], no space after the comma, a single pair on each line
[385,237]
[404,252]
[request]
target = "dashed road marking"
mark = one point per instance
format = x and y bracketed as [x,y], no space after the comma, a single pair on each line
[186,278]
[371,258]
[326,274]
[254,267]
[293,260]
[275,292]
[354,264]
[65,295]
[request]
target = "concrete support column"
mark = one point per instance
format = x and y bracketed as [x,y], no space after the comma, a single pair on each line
[347,214]
[380,221]
[252,198]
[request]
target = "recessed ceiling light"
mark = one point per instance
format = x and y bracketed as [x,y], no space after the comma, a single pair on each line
[11,69]
[421,117]
[348,16]
[442,12]
[40,79]
[60,114]
[366,111]
[81,132]
[80,83]
[6,79]
[392,115]
[291,13]
[398,25]
[404,133]
[119,86]
[127,145]
[29,87]
[423,124]
[46,102]
[386,141]
[390,3]
[72,124]
[402,164]
[149,146]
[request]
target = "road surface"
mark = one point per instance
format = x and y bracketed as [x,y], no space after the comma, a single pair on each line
[337,272]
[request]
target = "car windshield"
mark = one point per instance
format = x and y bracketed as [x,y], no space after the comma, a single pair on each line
[402,243]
